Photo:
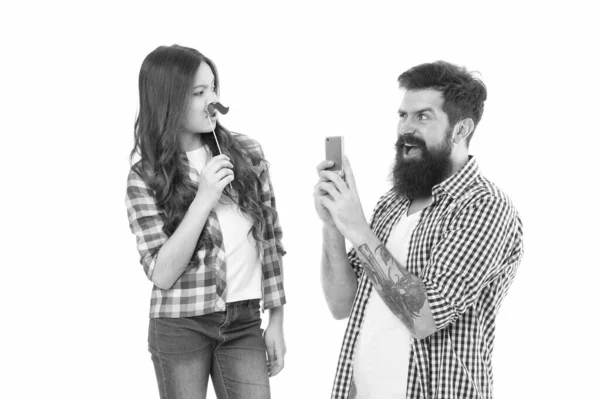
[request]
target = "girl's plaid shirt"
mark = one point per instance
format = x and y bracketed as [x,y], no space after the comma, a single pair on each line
[200,288]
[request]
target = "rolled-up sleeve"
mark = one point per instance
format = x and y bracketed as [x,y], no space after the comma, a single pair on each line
[145,221]
[276,225]
[468,258]
[264,176]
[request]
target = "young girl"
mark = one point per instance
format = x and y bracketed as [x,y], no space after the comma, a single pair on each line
[208,235]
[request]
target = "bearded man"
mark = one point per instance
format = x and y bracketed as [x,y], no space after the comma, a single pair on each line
[424,280]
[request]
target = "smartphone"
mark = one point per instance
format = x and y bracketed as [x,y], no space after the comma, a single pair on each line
[334,150]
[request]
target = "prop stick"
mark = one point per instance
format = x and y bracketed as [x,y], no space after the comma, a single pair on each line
[210,109]
[215,136]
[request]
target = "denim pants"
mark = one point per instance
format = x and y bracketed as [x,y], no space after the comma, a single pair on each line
[228,346]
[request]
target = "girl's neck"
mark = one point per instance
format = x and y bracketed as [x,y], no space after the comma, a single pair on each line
[190,141]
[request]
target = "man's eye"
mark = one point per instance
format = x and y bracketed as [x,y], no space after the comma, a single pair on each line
[422,117]
[402,115]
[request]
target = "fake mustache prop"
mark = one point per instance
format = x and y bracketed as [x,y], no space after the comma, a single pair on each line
[210,108]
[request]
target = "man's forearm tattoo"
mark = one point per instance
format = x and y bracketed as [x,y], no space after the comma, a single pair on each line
[403,292]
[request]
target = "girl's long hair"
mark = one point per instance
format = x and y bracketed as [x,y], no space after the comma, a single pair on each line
[165,86]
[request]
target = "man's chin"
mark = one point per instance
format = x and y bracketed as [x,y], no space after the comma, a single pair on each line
[412,178]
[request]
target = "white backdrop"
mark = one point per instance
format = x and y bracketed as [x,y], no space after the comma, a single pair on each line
[76,299]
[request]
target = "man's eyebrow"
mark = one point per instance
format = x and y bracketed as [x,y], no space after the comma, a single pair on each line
[419,111]
[427,109]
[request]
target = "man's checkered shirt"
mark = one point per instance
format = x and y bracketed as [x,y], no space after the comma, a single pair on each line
[466,248]
[200,288]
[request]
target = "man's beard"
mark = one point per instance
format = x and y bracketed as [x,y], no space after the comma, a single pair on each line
[414,178]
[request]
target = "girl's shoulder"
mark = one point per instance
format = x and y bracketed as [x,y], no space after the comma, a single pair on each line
[248,144]
[138,177]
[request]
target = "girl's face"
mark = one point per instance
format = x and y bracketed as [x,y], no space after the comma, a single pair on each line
[203,92]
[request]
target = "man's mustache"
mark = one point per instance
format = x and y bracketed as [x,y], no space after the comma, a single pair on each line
[218,106]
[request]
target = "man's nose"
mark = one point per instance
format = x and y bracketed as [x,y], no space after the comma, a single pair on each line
[405,127]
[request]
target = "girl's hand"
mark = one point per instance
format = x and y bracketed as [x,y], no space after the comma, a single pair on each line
[217,174]
[275,348]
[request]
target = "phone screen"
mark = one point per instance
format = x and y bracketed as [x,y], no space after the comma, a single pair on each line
[334,149]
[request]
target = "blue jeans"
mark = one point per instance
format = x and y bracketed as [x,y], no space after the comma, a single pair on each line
[228,346]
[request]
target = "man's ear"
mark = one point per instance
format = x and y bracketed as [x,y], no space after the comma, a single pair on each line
[463,129]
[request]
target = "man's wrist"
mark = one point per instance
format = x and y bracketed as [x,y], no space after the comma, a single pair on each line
[329,226]
[361,236]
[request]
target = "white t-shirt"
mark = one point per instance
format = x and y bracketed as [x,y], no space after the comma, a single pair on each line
[383,346]
[241,256]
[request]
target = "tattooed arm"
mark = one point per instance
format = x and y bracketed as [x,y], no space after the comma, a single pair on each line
[403,292]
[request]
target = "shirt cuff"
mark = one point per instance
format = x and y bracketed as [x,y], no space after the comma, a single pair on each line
[280,249]
[151,264]
[442,311]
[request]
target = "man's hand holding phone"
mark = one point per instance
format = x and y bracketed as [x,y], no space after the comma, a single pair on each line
[334,151]
[338,203]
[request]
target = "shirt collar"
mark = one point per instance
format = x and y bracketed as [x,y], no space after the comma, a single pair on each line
[258,169]
[458,182]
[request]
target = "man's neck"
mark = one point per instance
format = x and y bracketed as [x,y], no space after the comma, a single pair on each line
[457,163]
[419,203]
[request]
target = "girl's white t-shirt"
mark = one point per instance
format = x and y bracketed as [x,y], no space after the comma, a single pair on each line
[241,256]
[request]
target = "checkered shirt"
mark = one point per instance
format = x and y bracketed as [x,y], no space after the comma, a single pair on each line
[466,248]
[199,290]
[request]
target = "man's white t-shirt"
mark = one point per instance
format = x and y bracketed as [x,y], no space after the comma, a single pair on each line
[243,264]
[382,351]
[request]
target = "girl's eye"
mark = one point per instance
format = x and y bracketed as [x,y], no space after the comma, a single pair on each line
[199,93]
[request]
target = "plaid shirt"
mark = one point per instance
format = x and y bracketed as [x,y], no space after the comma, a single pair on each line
[199,290]
[466,248]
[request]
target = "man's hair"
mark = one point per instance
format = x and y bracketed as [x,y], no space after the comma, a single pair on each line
[463,93]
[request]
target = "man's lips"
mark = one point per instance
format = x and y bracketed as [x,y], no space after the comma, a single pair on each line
[408,149]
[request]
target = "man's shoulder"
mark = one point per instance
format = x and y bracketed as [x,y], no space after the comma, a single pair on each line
[484,191]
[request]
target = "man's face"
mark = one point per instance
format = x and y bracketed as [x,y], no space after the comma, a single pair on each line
[424,144]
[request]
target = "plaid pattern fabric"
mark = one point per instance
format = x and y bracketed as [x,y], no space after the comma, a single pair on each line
[466,248]
[200,288]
